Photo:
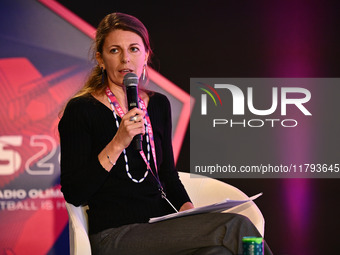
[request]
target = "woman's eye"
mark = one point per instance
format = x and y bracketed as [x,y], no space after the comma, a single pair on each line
[114,50]
[134,49]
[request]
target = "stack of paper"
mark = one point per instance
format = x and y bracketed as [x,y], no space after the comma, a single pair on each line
[218,207]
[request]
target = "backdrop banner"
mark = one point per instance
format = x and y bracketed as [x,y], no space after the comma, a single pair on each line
[44,60]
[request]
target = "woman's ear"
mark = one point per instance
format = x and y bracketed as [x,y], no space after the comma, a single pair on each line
[146,58]
[100,60]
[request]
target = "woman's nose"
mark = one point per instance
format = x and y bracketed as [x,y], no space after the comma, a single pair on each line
[125,57]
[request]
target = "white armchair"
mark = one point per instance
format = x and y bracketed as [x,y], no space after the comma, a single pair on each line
[202,191]
[78,229]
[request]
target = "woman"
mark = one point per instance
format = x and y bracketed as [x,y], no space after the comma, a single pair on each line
[122,186]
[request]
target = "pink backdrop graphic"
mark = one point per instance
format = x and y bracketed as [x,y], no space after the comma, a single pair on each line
[43,62]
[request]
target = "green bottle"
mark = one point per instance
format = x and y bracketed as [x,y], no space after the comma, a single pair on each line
[252,245]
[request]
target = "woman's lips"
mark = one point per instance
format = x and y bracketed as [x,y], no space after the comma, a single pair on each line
[125,71]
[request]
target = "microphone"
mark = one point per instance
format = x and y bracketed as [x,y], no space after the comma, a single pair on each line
[131,83]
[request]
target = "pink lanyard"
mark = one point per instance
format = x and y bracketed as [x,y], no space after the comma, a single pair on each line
[148,122]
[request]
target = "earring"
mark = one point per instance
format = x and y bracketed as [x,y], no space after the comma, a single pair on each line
[144,70]
[103,75]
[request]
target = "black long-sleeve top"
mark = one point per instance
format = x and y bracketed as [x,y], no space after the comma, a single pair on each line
[86,127]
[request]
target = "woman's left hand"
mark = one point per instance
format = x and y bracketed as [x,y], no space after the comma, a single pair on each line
[186,206]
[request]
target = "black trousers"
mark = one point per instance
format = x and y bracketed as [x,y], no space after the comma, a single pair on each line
[202,234]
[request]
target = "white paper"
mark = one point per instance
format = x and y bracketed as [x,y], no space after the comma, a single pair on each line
[218,207]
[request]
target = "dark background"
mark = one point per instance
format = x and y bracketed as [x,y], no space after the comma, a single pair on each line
[248,39]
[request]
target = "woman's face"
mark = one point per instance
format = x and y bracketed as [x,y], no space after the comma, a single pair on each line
[123,52]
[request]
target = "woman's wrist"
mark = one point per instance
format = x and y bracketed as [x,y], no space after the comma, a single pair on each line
[115,146]
[109,155]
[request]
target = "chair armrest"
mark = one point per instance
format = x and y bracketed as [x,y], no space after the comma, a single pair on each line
[78,230]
